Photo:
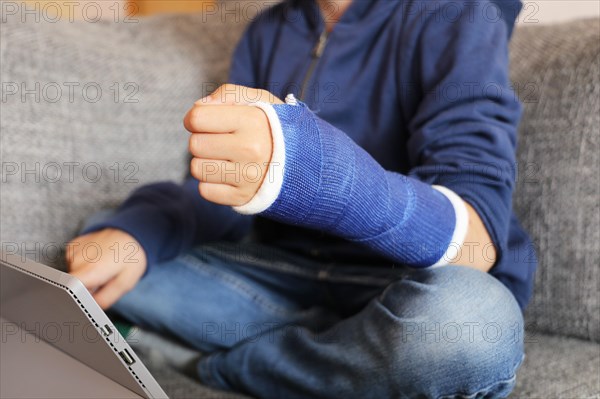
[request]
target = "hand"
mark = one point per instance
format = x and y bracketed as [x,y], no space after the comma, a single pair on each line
[231,143]
[109,263]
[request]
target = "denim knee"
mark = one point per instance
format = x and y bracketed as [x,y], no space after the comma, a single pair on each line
[456,332]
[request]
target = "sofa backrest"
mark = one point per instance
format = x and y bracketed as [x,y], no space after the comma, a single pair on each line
[556,71]
[92,111]
[67,151]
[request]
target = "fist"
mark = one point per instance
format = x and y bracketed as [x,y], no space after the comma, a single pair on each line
[231,144]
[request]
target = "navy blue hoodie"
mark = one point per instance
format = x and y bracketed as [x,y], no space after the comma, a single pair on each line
[422,86]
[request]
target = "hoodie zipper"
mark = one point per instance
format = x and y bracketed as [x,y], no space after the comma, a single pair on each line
[316,56]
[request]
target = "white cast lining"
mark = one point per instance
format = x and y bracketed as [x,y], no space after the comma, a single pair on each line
[271,185]
[460,229]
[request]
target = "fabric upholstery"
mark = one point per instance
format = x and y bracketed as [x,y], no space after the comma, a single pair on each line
[555,71]
[558,367]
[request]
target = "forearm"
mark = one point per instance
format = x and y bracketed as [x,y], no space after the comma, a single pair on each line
[168,218]
[329,183]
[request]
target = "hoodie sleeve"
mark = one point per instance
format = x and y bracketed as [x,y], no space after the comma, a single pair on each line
[463,133]
[242,70]
[168,218]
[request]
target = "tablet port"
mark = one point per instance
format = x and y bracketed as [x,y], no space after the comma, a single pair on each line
[126,356]
[106,330]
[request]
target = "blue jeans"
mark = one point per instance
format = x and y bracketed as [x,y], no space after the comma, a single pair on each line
[276,325]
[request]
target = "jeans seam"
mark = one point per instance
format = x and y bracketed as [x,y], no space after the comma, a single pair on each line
[489,387]
[271,265]
[480,391]
[286,267]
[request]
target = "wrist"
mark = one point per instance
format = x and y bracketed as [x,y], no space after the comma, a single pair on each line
[279,122]
[133,252]
[272,182]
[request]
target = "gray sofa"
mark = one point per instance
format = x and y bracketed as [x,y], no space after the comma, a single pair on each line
[71,151]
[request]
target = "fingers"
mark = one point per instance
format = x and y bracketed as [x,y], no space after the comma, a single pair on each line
[224,194]
[93,276]
[73,252]
[225,147]
[224,172]
[223,118]
[212,146]
[216,119]
[113,290]
[218,171]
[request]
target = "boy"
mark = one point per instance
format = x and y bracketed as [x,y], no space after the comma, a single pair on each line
[356,240]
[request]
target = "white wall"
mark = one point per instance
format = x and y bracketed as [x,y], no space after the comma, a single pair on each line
[550,11]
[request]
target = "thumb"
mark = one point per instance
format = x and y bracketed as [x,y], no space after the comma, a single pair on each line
[227,94]
[110,293]
[230,94]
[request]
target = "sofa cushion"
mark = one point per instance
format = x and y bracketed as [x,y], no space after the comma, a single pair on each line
[558,367]
[555,71]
